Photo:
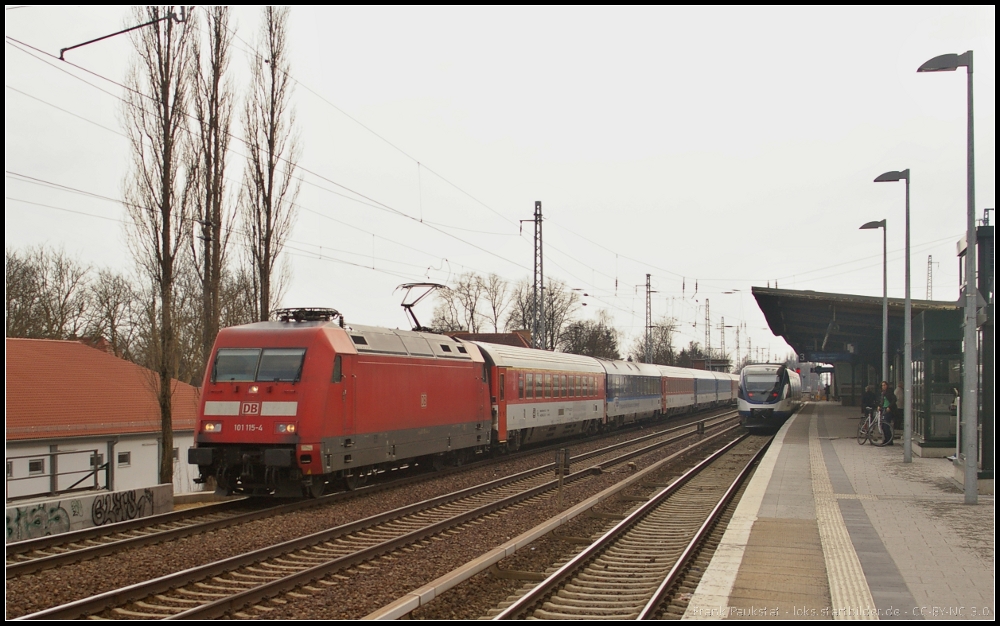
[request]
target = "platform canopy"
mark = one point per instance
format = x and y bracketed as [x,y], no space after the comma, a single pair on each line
[836,327]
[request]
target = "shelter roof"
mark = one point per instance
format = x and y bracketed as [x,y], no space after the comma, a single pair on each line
[58,389]
[823,324]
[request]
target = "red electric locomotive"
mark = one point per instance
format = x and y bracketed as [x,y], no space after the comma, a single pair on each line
[291,405]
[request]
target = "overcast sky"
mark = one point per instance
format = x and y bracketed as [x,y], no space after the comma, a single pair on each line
[719,147]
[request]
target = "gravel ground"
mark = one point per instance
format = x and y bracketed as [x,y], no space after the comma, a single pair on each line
[50,588]
[386,580]
[483,592]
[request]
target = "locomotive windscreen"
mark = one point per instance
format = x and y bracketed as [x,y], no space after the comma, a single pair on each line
[254,364]
[236,365]
[281,365]
[760,381]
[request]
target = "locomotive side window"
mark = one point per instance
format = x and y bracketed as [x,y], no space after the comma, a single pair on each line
[338,369]
[235,365]
[502,383]
[281,365]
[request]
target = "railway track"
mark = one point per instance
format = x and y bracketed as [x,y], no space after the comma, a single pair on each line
[226,587]
[634,567]
[26,557]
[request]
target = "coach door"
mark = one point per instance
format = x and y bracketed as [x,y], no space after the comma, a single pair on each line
[499,398]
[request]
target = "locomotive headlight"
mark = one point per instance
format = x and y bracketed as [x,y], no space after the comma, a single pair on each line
[284,429]
[254,388]
[211,427]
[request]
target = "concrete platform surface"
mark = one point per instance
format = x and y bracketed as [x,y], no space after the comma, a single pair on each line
[829,529]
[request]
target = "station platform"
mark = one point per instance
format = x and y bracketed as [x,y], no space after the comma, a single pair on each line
[829,529]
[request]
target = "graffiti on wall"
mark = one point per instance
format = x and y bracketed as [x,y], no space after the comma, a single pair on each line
[37,520]
[51,518]
[121,506]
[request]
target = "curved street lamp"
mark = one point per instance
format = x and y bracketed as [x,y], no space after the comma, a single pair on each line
[885,298]
[907,329]
[970,402]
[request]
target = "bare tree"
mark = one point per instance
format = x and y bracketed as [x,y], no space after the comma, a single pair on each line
[21,295]
[521,307]
[560,305]
[662,352]
[497,298]
[156,191]
[458,306]
[267,204]
[237,304]
[596,338]
[189,322]
[213,103]
[446,313]
[114,312]
[46,294]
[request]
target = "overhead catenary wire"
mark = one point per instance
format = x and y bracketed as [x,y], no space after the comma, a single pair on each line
[361,198]
[366,200]
[370,201]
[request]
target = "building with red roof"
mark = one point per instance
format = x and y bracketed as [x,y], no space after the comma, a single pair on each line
[71,407]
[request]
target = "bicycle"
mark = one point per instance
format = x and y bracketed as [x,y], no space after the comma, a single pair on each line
[875,427]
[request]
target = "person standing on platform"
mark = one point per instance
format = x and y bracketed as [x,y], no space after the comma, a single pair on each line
[828,393]
[888,399]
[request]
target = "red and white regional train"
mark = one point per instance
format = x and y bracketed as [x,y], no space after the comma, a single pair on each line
[291,406]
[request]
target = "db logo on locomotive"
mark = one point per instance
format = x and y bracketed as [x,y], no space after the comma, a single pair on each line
[250,408]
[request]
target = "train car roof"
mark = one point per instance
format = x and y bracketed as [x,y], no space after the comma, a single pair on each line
[530,358]
[378,340]
[672,371]
[702,374]
[361,339]
[629,368]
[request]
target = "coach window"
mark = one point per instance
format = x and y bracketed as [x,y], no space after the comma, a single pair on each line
[564,388]
[338,369]
[520,386]
[530,386]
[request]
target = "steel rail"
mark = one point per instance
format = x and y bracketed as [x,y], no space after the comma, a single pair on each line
[690,551]
[525,603]
[130,593]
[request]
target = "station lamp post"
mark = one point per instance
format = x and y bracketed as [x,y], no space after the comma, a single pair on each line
[907,330]
[885,299]
[970,380]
